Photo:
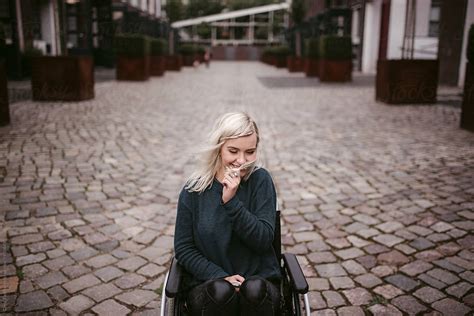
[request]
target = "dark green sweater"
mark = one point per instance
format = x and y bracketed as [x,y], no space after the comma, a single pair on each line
[214,240]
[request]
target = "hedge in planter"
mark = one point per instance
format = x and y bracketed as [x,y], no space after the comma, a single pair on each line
[406,81]
[27,57]
[71,80]
[174,63]
[335,58]
[4,105]
[467,111]
[200,52]
[311,65]
[189,53]
[281,54]
[276,56]
[157,57]
[267,56]
[295,63]
[133,57]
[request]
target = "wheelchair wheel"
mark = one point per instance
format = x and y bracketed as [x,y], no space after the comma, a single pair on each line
[171,309]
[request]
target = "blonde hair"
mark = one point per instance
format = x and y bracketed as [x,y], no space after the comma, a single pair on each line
[229,126]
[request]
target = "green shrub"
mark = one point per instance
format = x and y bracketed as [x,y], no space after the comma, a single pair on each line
[26,57]
[335,47]
[277,51]
[3,45]
[201,50]
[267,51]
[131,45]
[187,49]
[470,45]
[204,30]
[104,57]
[158,47]
[312,48]
[281,51]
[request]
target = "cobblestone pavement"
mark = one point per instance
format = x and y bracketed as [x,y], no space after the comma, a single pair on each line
[377,200]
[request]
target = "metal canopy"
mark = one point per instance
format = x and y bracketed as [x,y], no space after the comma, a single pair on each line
[231,15]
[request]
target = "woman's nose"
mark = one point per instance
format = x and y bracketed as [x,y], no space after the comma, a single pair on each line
[241,159]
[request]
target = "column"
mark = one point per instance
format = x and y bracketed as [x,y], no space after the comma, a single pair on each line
[252,29]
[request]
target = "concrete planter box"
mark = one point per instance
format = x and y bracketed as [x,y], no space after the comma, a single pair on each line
[133,68]
[335,70]
[402,81]
[272,61]
[188,60]
[467,111]
[174,63]
[4,105]
[266,59]
[280,61]
[295,64]
[311,67]
[157,65]
[71,80]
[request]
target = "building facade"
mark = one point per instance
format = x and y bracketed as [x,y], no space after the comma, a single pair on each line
[440,32]
[69,27]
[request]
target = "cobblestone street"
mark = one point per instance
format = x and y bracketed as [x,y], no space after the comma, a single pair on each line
[377,201]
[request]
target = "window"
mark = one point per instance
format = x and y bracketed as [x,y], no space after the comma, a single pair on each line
[433,29]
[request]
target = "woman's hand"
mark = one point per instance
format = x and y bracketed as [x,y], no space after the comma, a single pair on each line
[231,183]
[236,280]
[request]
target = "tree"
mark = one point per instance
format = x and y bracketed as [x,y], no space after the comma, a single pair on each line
[174,10]
[297,15]
[197,8]
[243,4]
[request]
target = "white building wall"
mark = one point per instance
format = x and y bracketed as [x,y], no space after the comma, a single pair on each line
[371,39]
[158,8]
[467,24]
[355,27]
[396,28]
[425,47]
[47,27]
[422,17]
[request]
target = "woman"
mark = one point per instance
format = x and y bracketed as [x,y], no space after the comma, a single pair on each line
[225,226]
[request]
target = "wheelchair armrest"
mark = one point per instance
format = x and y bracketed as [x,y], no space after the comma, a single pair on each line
[174,279]
[297,279]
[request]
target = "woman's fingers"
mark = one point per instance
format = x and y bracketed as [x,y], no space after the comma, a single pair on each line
[229,181]
[235,278]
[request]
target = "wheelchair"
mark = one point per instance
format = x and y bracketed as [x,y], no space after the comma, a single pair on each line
[293,287]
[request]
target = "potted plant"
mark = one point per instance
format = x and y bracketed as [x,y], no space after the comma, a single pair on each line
[335,58]
[4,105]
[26,58]
[71,80]
[188,52]
[267,56]
[401,81]
[174,62]
[467,111]
[295,62]
[281,54]
[311,65]
[407,80]
[132,56]
[157,57]
[200,52]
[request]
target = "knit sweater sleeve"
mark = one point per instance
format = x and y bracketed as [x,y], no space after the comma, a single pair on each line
[255,227]
[186,252]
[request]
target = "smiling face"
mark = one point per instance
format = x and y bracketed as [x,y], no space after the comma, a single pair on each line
[235,152]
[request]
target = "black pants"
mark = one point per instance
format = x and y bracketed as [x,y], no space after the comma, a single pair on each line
[256,296]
